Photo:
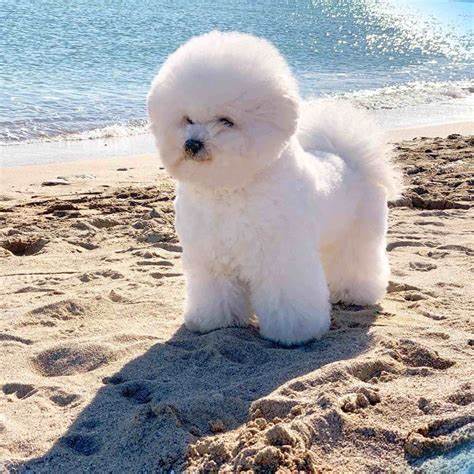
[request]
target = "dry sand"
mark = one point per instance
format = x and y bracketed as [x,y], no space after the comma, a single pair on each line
[98,374]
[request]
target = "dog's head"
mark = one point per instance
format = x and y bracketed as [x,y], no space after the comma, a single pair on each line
[222,107]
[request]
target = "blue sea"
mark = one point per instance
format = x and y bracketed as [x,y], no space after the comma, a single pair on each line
[77,70]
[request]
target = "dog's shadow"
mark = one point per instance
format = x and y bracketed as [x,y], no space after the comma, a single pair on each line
[145,415]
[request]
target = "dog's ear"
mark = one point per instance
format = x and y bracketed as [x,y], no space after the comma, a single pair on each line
[286,112]
[292,106]
[152,103]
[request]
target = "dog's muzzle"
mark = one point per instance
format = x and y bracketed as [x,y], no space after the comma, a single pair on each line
[195,150]
[193,147]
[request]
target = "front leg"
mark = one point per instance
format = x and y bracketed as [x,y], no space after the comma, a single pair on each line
[291,300]
[214,301]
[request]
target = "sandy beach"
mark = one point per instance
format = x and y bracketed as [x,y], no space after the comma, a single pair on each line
[99,375]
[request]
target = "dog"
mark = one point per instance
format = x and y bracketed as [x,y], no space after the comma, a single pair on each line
[281,203]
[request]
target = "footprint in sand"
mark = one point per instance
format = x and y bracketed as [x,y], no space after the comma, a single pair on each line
[20,390]
[137,391]
[61,398]
[71,359]
[422,267]
[463,395]
[414,354]
[62,310]
[83,444]
[24,246]
[55,394]
[241,353]
[374,371]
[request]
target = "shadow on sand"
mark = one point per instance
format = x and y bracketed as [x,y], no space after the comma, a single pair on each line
[145,415]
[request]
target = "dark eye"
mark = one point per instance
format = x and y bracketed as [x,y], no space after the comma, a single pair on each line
[188,120]
[226,121]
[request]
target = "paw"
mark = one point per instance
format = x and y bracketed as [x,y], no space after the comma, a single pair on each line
[359,294]
[202,322]
[294,329]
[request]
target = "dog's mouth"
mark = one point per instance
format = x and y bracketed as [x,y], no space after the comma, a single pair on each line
[201,156]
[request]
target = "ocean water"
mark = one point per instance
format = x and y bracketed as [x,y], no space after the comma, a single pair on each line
[460,460]
[75,70]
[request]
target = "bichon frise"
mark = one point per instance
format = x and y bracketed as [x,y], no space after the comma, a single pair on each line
[281,204]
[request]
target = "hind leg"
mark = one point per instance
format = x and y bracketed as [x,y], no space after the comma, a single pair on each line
[356,266]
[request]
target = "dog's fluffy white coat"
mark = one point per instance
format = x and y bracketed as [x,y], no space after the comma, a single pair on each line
[280,213]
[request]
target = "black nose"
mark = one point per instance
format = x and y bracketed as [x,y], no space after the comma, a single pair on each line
[193,146]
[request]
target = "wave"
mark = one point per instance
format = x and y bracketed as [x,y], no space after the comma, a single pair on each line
[409,94]
[109,131]
[135,127]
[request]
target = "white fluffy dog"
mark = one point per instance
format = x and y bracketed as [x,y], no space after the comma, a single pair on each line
[281,204]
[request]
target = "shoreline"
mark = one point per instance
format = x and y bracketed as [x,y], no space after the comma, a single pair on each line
[430,131]
[94,155]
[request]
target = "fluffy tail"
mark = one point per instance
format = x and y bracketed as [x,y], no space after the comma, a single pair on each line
[339,128]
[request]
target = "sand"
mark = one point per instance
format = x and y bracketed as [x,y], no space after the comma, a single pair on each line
[98,374]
